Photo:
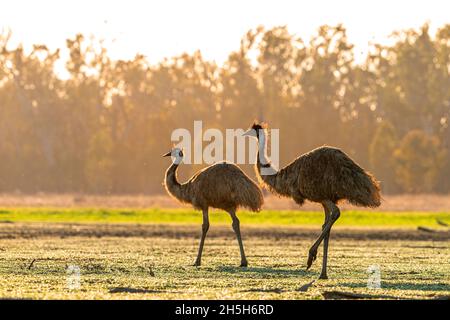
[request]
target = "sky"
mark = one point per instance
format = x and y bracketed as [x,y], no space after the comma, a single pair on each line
[167,28]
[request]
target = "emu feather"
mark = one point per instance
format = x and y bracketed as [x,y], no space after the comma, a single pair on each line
[222,186]
[325,175]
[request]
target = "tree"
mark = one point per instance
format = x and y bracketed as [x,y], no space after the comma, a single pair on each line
[240,97]
[324,82]
[419,159]
[105,124]
[381,155]
[413,78]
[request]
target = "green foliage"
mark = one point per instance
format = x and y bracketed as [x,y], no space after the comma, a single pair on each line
[100,161]
[419,160]
[381,154]
[102,128]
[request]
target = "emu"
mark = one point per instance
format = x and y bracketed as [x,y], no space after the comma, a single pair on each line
[324,175]
[221,186]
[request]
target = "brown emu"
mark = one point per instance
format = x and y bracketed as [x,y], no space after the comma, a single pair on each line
[324,175]
[221,186]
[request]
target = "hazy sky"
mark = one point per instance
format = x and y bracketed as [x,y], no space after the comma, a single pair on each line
[166,28]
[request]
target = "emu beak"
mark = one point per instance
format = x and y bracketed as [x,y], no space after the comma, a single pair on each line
[168,154]
[249,133]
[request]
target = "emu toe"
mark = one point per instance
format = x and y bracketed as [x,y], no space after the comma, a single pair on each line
[244,264]
[197,264]
[311,258]
[323,276]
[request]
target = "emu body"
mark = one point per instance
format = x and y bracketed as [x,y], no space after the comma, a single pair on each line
[324,175]
[221,186]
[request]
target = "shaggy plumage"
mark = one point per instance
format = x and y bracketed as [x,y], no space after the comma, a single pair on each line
[222,186]
[325,175]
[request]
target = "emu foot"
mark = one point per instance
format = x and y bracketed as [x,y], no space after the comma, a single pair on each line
[197,263]
[244,264]
[311,258]
[323,276]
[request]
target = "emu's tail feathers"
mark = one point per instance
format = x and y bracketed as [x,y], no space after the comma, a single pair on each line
[366,191]
[250,196]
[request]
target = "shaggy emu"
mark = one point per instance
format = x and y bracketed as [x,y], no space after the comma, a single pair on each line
[222,186]
[325,175]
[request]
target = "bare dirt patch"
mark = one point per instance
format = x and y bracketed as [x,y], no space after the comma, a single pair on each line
[175,231]
[390,203]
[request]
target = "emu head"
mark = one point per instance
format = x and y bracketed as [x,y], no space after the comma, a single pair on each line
[256,129]
[175,153]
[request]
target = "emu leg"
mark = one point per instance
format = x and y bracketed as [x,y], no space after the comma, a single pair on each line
[237,230]
[323,273]
[205,228]
[335,214]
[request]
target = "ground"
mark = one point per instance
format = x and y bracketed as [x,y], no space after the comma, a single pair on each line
[137,254]
[404,202]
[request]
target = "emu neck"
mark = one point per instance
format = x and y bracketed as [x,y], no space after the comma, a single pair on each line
[267,173]
[282,182]
[262,149]
[176,189]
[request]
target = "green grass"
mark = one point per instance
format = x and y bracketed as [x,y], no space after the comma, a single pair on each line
[163,268]
[266,217]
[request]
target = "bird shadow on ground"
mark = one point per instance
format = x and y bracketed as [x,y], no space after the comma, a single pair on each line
[425,247]
[302,288]
[404,286]
[264,290]
[133,290]
[266,270]
[139,290]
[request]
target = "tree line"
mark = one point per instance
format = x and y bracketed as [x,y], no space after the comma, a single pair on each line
[102,128]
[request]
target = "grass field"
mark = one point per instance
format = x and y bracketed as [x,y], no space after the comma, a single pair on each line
[266,217]
[147,254]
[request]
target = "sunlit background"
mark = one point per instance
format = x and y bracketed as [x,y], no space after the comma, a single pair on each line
[161,29]
[91,91]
